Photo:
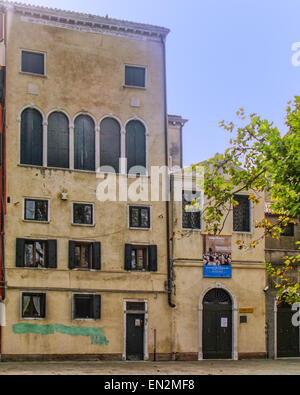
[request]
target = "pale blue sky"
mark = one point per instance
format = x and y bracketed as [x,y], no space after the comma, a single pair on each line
[221,55]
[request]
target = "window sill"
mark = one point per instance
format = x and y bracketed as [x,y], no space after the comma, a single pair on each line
[36,222]
[85,319]
[33,318]
[134,87]
[33,74]
[191,229]
[241,232]
[33,268]
[133,228]
[134,176]
[84,225]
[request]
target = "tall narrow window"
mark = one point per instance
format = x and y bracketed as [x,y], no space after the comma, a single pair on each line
[58,140]
[191,217]
[241,214]
[136,145]
[84,143]
[31,137]
[110,144]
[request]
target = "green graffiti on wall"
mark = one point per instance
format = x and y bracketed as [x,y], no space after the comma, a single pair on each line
[96,335]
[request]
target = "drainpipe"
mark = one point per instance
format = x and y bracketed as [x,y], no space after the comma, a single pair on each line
[169,282]
[3,180]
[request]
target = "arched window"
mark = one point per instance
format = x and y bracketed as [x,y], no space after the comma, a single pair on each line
[84,143]
[110,143]
[135,144]
[58,140]
[31,137]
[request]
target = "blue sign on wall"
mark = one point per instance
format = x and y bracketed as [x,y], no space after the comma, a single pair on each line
[217,271]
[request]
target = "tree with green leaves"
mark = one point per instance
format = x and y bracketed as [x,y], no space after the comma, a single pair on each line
[260,161]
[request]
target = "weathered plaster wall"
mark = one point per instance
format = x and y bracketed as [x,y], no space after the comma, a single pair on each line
[84,72]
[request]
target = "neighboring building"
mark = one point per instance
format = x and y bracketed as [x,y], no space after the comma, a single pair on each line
[218,287]
[120,279]
[283,339]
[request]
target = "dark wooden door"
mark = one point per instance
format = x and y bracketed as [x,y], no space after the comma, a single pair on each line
[287,334]
[217,325]
[135,337]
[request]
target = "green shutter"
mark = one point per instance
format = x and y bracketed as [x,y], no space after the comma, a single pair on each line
[96,261]
[20,252]
[58,140]
[127,263]
[52,254]
[135,144]
[152,256]
[110,143]
[96,307]
[84,143]
[72,254]
[31,137]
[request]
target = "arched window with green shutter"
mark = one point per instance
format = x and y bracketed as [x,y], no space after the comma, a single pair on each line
[84,143]
[135,145]
[110,143]
[31,137]
[58,140]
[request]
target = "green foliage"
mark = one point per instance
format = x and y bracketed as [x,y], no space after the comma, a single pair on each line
[262,162]
[258,160]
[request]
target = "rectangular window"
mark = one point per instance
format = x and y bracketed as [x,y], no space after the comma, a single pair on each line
[86,306]
[83,256]
[33,62]
[191,217]
[289,230]
[36,210]
[139,217]
[135,76]
[33,305]
[141,258]
[241,214]
[36,253]
[83,214]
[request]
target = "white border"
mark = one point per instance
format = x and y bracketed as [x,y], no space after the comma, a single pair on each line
[21,306]
[140,67]
[139,206]
[37,52]
[72,213]
[32,220]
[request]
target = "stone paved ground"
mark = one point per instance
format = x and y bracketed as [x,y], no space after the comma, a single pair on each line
[244,367]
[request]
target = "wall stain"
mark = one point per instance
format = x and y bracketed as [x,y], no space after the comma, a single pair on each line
[96,335]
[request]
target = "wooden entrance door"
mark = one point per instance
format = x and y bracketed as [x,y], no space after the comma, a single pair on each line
[135,337]
[217,325]
[287,334]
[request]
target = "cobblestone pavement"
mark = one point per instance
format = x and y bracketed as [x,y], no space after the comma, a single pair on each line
[244,367]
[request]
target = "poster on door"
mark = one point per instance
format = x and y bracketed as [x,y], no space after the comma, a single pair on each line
[217,256]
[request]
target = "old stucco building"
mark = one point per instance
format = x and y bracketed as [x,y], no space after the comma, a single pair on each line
[107,279]
[283,338]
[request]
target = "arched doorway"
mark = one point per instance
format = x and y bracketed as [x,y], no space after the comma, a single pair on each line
[288,336]
[217,325]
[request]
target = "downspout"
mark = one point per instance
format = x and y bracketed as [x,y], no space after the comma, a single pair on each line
[3,160]
[3,171]
[169,281]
